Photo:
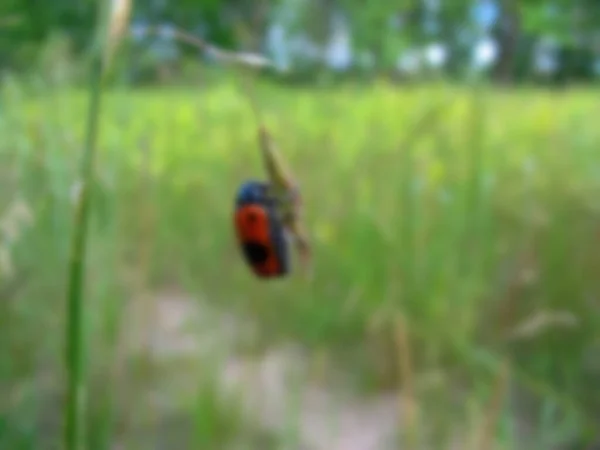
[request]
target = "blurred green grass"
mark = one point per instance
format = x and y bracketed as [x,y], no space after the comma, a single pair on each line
[485,225]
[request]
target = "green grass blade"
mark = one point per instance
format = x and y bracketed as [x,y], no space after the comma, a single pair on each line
[75,350]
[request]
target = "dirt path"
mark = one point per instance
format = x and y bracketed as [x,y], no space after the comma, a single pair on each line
[273,388]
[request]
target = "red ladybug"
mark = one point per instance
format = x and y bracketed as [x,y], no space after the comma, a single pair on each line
[261,235]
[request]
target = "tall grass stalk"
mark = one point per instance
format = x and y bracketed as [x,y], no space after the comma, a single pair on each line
[75,349]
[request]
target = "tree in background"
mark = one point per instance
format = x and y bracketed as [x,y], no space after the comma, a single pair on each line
[534,40]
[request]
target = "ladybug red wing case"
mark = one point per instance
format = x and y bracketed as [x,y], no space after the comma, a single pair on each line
[260,234]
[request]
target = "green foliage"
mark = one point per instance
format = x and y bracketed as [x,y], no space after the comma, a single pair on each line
[385,30]
[481,230]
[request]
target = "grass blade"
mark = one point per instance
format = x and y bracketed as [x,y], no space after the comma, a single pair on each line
[75,349]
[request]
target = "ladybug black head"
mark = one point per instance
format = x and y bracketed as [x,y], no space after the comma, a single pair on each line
[252,192]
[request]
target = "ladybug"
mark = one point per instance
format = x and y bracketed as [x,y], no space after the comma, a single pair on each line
[260,232]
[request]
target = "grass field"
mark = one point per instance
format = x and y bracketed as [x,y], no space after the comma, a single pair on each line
[458,265]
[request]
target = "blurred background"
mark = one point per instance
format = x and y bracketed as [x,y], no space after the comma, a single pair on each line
[448,159]
[552,42]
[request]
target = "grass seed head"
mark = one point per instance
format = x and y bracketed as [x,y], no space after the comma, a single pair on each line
[120,11]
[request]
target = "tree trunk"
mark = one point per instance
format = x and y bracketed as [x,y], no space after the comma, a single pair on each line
[507,33]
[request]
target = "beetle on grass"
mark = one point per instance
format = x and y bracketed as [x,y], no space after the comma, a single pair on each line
[268,217]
